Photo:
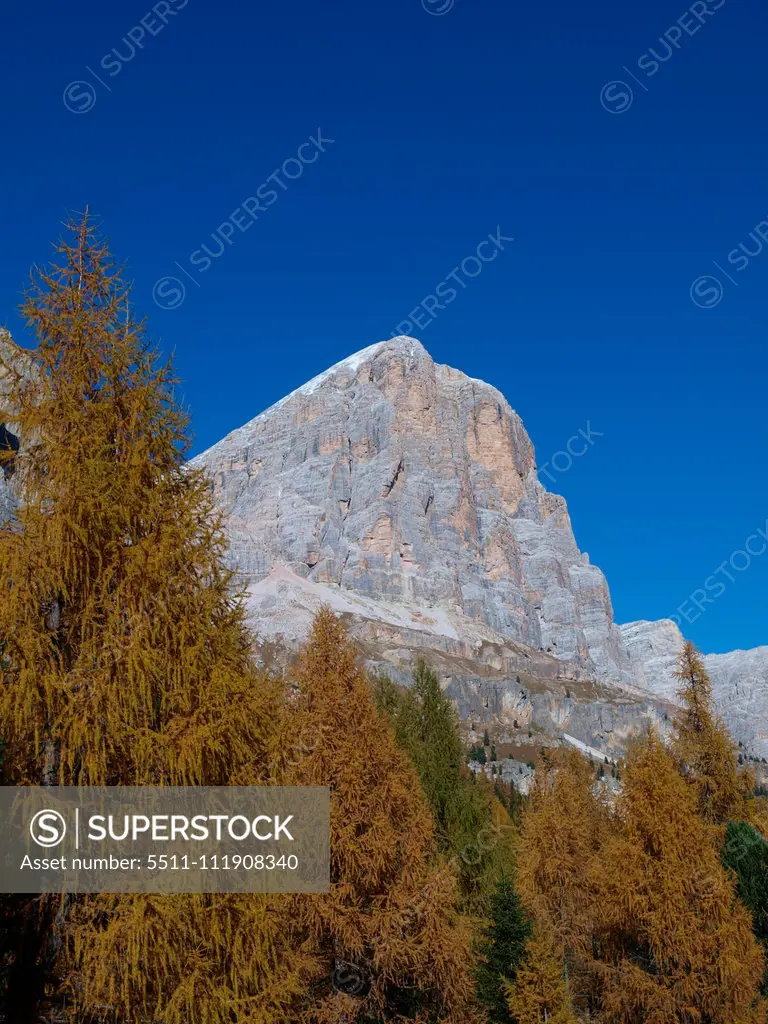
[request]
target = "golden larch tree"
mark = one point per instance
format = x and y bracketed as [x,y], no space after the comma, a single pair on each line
[561,835]
[388,938]
[540,993]
[674,942]
[704,746]
[125,656]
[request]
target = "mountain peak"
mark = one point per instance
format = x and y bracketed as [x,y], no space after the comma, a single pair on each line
[413,488]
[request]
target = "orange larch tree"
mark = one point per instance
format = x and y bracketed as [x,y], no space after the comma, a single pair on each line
[704,746]
[390,943]
[125,655]
[673,942]
[561,835]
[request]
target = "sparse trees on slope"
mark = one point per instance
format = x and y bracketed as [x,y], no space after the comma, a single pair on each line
[125,658]
[389,941]
[674,943]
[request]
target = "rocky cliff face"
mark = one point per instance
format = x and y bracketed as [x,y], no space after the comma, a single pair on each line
[405,494]
[405,481]
[739,679]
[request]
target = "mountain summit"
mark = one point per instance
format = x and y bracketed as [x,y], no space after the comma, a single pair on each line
[402,480]
[403,491]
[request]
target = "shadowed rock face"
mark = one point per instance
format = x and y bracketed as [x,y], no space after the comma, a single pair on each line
[403,480]
[9,442]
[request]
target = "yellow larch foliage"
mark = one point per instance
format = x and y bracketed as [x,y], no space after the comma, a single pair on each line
[125,656]
[387,936]
[674,943]
[540,993]
[704,745]
[561,834]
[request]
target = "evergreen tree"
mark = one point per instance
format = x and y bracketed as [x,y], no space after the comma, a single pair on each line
[471,824]
[674,942]
[390,917]
[486,739]
[125,657]
[746,854]
[501,950]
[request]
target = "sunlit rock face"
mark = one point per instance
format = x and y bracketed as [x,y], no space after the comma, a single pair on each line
[405,495]
[739,678]
[406,481]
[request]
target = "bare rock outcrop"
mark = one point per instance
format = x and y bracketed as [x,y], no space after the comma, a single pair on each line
[739,679]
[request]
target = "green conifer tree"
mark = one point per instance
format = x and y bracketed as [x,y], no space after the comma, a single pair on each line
[501,950]
[471,824]
[746,854]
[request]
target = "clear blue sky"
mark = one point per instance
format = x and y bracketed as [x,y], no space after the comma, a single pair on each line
[446,124]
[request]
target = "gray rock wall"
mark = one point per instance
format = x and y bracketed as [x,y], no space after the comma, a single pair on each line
[403,480]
